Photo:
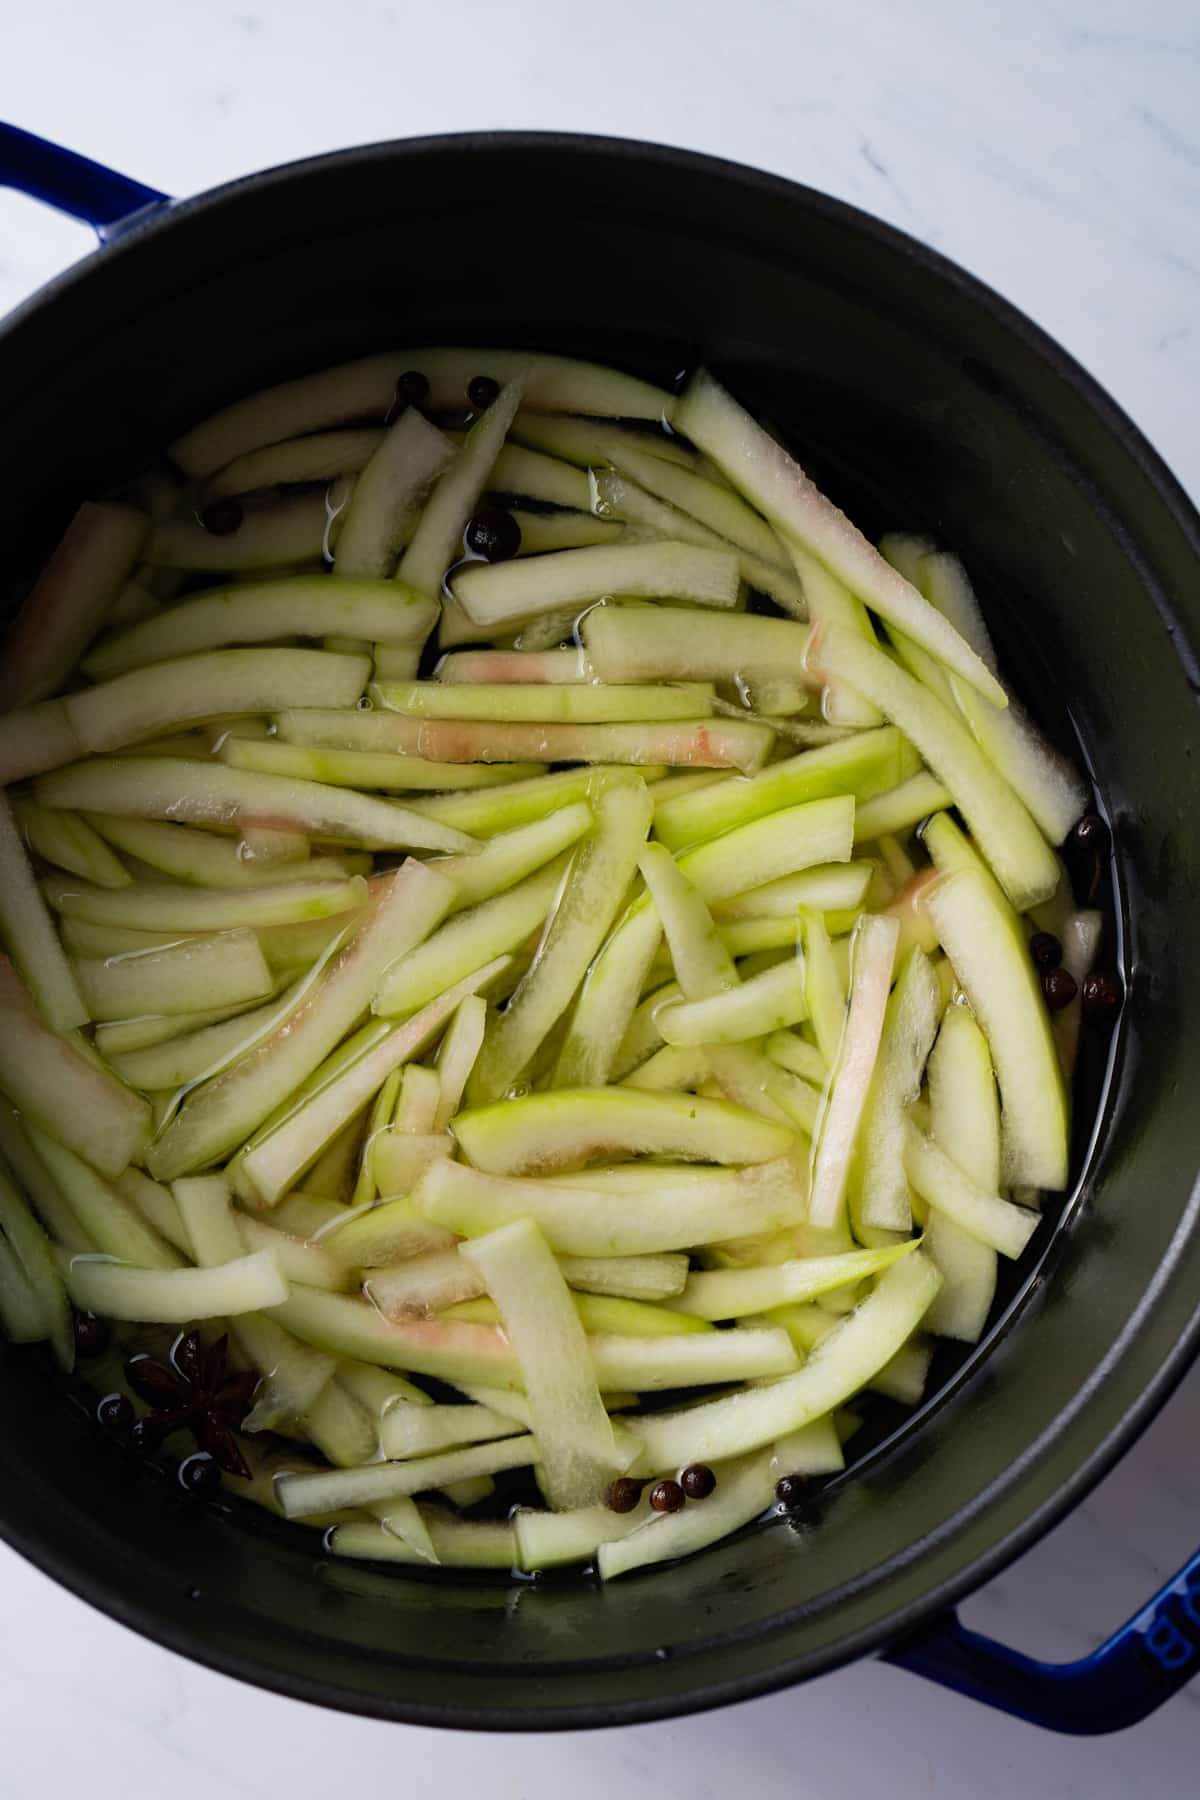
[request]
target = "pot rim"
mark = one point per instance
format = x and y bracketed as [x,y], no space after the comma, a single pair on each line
[106,1595]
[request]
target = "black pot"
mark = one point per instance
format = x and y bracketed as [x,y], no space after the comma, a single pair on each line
[925,402]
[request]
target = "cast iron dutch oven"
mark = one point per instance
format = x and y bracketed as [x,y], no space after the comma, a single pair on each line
[924,402]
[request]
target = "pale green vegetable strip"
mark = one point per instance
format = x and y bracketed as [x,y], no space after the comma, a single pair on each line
[382,511]
[829,603]
[157,1206]
[518,470]
[942,1184]
[456,1057]
[715,506]
[456,1543]
[171,787]
[224,969]
[965,1122]
[901,807]
[378,1119]
[35,1258]
[1018,854]
[393,772]
[864,765]
[422,1430]
[342,1430]
[1045,781]
[53,1083]
[467,667]
[798,837]
[437,540]
[52,1209]
[581,1221]
[592,442]
[422,1285]
[837,889]
[167,695]
[652,643]
[321,456]
[219,1115]
[845,1361]
[701,742]
[182,1060]
[703,966]
[494,593]
[986,944]
[20,1313]
[595,885]
[578,1456]
[308,606]
[206,860]
[542,1132]
[29,934]
[508,856]
[767,1002]
[875,951]
[173,1296]
[913,1016]
[366,387]
[112,1225]
[672,1069]
[575,703]
[401,1157]
[825,987]
[734,1293]
[546,1540]
[69,601]
[69,842]
[744,1489]
[170,906]
[522,802]
[302,1495]
[468,940]
[764,473]
[616,497]
[276,1161]
[798,1056]
[633,1277]
[606,1001]
[277,537]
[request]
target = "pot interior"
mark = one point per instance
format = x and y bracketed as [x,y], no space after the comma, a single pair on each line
[921,403]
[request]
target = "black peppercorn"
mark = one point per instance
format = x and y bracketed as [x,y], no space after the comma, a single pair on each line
[789,1490]
[667,1497]
[1091,833]
[481,391]
[115,1413]
[199,1475]
[1100,995]
[493,534]
[1045,950]
[1059,989]
[92,1335]
[697,1481]
[623,1495]
[221,518]
[412,388]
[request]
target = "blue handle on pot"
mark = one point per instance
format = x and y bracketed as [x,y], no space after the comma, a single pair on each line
[97,196]
[1140,1666]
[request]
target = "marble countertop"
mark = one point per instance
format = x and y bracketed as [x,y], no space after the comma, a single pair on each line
[1051,147]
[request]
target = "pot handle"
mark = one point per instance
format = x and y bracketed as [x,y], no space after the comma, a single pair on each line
[97,196]
[1144,1663]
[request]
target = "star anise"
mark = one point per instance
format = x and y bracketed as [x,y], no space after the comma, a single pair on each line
[196,1390]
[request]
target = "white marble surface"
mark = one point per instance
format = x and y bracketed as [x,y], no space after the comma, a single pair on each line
[1052,147]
